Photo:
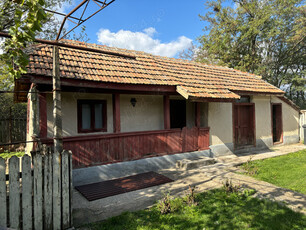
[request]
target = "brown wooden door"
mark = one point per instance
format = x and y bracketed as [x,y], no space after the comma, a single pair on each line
[277,123]
[244,124]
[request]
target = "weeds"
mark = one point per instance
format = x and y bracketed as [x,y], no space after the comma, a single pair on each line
[250,168]
[229,187]
[164,205]
[248,192]
[190,196]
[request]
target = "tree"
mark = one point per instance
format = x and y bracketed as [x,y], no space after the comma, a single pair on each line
[26,20]
[50,24]
[264,37]
[190,53]
[22,19]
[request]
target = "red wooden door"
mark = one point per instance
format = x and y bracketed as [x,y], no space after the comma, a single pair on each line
[244,124]
[277,123]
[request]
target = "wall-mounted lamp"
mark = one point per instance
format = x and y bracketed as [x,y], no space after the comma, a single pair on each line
[133,101]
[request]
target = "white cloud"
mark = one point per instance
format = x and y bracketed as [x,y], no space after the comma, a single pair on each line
[143,41]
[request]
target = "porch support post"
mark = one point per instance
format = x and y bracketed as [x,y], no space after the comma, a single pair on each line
[34,115]
[58,141]
[166,112]
[42,115]
[57,104]
[197,114]
[116,113]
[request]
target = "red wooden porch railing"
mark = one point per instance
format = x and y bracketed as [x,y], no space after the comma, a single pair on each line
[110,148]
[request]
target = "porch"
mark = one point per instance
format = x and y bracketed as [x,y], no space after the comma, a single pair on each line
[102,126]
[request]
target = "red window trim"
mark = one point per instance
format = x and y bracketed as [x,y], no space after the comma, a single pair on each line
[92,125]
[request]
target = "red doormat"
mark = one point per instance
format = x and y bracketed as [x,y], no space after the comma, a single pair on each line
[108,188]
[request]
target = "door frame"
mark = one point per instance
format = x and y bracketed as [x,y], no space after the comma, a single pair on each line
[233,121]
[282,133]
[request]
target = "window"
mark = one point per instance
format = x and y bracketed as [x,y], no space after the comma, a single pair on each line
[91,116]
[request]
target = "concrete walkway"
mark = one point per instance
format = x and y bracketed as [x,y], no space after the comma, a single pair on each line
[204,178]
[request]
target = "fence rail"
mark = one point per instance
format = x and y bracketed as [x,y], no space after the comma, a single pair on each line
[26,198]
[110,148]
[12,130]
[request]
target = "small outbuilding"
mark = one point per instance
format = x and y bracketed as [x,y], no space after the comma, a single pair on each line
[120,109]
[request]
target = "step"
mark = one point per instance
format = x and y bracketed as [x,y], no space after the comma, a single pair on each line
[187,164]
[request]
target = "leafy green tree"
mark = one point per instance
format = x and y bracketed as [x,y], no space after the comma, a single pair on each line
[8,107]
[263,37]
[26,20]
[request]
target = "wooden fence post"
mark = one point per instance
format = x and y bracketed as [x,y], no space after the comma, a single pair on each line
[48,189]
[14,198]
[27,191]
[70,187]
[65,190]
[3,209]
[38,198]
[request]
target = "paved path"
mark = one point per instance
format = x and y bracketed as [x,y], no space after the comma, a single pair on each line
[226,169]
[204,178]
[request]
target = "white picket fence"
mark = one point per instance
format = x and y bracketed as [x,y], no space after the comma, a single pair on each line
[27,195]
[302,122]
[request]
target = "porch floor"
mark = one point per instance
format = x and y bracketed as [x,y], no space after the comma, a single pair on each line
[204,178]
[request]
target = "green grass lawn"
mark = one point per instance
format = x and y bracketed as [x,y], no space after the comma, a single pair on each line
[288,171]
[216,209]
[7,155]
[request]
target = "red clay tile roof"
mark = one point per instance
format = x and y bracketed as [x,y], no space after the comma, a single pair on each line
[192,79]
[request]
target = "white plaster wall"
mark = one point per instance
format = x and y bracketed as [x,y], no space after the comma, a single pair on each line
[220,123]
[69,112]
[148,113]
[262,116]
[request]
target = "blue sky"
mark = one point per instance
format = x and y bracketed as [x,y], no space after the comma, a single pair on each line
[159,27]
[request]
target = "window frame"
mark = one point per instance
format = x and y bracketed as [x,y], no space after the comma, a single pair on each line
[92,104]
